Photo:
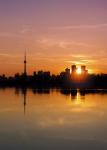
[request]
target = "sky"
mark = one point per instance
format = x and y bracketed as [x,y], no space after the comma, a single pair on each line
[55,34]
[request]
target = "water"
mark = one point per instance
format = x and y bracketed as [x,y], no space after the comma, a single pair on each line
[52,120]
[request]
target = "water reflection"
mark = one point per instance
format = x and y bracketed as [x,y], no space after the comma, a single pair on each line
[82,93]
[24,95]
[41,91]
[77,96]
[24,91]
[53,119]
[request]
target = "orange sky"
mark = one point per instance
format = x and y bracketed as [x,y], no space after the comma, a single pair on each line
[55,34]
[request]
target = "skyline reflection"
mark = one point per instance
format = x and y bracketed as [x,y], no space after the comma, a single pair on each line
[76,96]
[52,118]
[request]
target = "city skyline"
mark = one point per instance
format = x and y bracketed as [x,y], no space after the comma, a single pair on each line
[56,34]
[74,69]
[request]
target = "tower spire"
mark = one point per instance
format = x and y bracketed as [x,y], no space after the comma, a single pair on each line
[25,62]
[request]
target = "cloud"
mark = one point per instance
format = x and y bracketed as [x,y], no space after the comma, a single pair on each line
[62,43]
[80,27]
[10,35]
[9,55]
[79,56]
[80,59]
[26,29]
[75,62]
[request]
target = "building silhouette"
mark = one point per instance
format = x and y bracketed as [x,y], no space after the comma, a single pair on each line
[44,79]
[83,70]
[67,70]
[74,69]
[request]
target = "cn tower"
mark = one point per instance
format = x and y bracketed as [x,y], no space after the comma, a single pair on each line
[25,62]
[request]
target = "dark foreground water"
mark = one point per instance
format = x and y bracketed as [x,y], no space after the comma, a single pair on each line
[43,120]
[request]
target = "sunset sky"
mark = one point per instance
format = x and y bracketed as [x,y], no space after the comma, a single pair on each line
[55,33]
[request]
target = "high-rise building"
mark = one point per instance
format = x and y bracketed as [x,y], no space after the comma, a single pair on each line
[67,70]
[74,69]
[83,70]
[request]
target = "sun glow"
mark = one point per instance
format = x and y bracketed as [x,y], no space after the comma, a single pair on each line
[78,71]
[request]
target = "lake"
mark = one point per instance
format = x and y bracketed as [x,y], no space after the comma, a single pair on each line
[52,120]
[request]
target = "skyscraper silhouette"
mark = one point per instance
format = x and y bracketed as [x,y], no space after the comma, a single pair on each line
[73,68]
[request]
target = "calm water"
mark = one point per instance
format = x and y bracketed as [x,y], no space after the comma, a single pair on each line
[43,120]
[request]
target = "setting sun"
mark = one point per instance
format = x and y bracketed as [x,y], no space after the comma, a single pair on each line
[78,71]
